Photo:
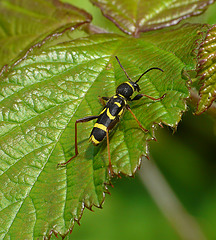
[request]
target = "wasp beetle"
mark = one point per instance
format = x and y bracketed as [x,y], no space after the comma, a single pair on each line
[112,112]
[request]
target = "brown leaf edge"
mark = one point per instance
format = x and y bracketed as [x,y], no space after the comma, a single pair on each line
[201,7]
[69,231]
[199,10]
[55,34]
[106,191]
[201,61]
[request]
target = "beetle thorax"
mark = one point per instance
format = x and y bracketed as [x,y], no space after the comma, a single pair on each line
[127,89]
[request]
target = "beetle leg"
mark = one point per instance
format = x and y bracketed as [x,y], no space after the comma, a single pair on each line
[154,99]
[85,119]
[113,123]
[103,99]
[138,96]
[111,126]
[128,108]
[108,151]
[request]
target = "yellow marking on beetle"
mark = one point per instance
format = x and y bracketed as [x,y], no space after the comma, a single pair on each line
[109,114]
[95,141]
[121,95]
[118,104]
[115,96]
[103,111]
[120,113]
[130,85]
[100,126]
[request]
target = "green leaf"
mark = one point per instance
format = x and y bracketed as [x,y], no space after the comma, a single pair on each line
[42,96]
[206,69]
[25,23]
[133,17]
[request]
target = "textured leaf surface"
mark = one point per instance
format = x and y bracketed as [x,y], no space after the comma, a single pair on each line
[135,16]
[24,23]
[207,71]
[42,96]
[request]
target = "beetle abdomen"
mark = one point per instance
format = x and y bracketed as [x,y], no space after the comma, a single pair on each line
[107,119]
[97,135]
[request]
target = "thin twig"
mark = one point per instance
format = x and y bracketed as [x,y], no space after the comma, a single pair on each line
[184,224]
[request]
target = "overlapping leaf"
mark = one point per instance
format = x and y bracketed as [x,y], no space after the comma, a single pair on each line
[207,71]
[133,17]
[25,23]
[40,99]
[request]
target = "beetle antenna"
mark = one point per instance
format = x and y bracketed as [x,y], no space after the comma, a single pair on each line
[123,69]
[148,71]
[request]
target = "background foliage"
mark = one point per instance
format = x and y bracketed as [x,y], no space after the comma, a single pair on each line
[187,161]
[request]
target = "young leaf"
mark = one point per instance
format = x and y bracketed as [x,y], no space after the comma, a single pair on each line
[133,17]
[25,23]
[42,96]
[207,70]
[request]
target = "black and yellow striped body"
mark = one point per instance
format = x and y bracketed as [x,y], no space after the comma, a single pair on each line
[112,112]
[108,118]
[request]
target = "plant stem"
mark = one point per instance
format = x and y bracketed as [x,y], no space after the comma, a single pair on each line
[184,224]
